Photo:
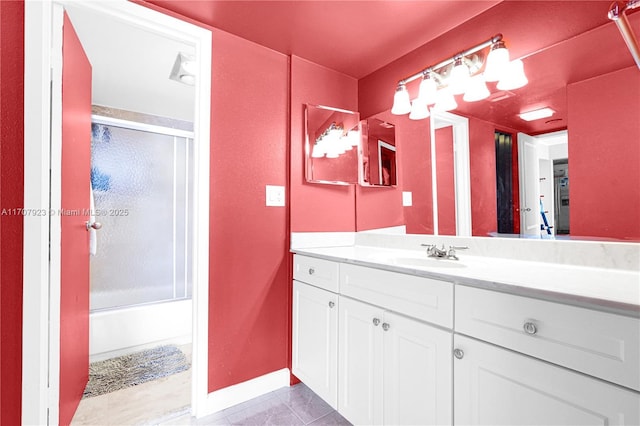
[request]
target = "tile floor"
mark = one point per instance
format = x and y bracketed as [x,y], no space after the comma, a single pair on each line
[290,406]
[166,401]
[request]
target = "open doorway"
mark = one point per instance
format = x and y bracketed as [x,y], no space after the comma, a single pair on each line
[41,376]
[544,184]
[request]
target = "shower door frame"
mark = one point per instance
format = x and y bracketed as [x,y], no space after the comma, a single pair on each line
[41,286]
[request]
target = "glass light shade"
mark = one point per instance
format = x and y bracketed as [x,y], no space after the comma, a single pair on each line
[459,78]
[427,90]
[497,62]
[419,110]
[353,137]
[318,151]
[446,101]
[335,149]
[477,89]
[401,101]
[514,77]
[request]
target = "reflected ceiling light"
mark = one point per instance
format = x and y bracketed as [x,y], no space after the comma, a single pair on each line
[476,90]
[513,77]
[401,101]
[537,114]
[456,74]
[497,61]
[184,69]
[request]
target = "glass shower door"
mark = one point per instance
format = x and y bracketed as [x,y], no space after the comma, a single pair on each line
[141,188]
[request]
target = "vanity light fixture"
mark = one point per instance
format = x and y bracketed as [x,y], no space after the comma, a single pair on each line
[184,69]
[460,75]
[537,114]
[401,101]
[618,15]
[477,89]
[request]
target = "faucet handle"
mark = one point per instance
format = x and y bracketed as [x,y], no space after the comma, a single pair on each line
[451,254]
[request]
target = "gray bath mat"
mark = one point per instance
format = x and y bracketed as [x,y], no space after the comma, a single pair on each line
[133,369]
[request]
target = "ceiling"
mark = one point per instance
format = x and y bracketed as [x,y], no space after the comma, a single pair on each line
[560,41]
[131,66]
[353,37]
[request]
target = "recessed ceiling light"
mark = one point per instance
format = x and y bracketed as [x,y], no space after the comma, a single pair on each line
[537,114]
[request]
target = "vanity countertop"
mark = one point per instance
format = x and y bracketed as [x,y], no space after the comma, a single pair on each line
[610,290]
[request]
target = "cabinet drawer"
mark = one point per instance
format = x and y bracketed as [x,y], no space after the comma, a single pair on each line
[318,272]
[600,344]
[422,298]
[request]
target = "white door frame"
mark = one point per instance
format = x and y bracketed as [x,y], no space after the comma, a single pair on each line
[461,171]
[42,145]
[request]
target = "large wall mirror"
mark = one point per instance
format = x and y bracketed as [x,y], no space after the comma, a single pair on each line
[331,146]
[582,133]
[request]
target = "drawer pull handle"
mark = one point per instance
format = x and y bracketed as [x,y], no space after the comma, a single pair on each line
[530,328]
[376,322]
[386,326]
[312,271]
[331,304]
[458,353]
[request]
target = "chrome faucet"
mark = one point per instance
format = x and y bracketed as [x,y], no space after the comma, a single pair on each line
[440,253]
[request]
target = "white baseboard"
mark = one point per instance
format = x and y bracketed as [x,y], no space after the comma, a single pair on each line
[242,392]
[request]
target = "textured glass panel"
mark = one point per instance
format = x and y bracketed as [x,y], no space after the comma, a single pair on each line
[141,192]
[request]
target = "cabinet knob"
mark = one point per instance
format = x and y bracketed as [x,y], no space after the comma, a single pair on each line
[458,353]
[331,304]
[312,271]
[376,322]
[386,326]
[530,328]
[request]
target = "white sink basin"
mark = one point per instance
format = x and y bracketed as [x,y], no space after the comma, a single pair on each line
[427,262]
[416,261]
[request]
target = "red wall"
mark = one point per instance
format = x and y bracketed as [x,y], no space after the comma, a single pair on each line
[318,207]
[414,165]
[249,265]
[11,196]
[604,155]
[249,290]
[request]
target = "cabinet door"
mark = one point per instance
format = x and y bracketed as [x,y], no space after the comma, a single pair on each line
[360,362]
[494,386]
[315,340]
[417,372]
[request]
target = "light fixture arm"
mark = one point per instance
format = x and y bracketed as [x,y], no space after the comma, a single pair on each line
[617,15]
[431,69]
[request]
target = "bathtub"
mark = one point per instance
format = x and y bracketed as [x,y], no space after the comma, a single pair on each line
[116,332]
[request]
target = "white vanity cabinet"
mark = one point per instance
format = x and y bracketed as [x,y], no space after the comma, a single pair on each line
[314,358]
[529,361]
[393,369]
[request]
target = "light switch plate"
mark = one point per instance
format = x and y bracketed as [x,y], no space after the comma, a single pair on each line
[407,199]
[275,195]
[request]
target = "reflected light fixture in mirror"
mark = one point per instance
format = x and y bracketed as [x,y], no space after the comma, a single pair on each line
[331,135]
[460,75]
